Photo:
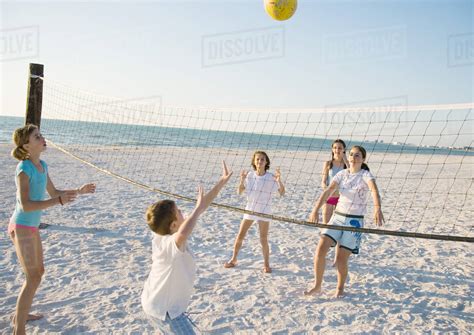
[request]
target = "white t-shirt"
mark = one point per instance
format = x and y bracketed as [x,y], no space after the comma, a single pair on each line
[353,190]
[259,191]
[169,286]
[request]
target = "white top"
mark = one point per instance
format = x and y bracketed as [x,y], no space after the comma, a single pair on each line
[353,190]
[169,286]
[259,191]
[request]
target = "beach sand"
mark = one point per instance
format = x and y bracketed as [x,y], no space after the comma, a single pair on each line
[97,255]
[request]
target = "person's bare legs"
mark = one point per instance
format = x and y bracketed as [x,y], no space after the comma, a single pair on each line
[342,270]
[30,255]
[244,227]
[319,264]
[328,210]
[263,228]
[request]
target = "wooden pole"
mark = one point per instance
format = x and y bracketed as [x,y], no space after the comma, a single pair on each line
[34,99]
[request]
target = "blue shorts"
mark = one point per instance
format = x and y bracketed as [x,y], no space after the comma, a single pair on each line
[349,240]
[180,325]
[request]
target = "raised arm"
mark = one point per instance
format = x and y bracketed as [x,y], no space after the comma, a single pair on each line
[243,176]
[378,215]
[281,187]
[202,203]
[212,194]
[314,217]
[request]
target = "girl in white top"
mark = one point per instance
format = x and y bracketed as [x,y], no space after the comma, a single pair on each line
[353,185]
[168,288]
[258,186]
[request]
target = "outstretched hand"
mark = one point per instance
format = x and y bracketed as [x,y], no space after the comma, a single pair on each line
[226,174]
[277,175]
[204,199]
[86,188]
[200,196]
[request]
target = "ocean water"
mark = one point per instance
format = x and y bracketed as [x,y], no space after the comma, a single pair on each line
[107,134]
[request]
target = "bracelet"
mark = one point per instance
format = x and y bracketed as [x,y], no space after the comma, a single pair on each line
[61,201]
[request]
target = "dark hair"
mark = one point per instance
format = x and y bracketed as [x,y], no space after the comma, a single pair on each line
[267,166]
[20,137]
[364,155]
[160,215]
[332,153]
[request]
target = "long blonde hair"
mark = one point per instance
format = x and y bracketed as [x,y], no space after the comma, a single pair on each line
[21,136]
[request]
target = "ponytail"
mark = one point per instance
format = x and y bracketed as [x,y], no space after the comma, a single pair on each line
[20,153]
[365,167]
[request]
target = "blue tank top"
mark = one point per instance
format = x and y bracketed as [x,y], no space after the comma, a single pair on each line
[37,181]
[332,172]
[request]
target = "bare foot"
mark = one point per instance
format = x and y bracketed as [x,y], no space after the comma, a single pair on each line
[267,269]
[30,317]
[339,294]
[34,317]
[313,291]
[230,264]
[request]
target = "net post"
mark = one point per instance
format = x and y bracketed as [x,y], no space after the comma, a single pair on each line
[34,98]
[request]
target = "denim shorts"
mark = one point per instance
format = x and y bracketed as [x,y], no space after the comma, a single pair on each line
[180,325]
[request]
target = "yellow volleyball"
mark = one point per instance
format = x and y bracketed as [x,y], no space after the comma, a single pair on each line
[280,10]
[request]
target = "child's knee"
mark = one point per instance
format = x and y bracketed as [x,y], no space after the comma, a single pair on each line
[322,249]
[34,277]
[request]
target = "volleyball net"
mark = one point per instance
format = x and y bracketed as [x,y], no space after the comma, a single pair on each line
[422,157]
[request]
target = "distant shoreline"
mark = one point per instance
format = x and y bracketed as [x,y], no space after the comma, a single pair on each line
[128,135]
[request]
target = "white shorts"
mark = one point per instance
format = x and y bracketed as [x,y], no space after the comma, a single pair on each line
[349,240]
[255,218]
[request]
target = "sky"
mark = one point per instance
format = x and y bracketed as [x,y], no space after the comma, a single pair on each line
[232,54]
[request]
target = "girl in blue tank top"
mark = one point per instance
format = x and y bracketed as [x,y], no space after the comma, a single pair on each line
[32,182]
[337,163]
